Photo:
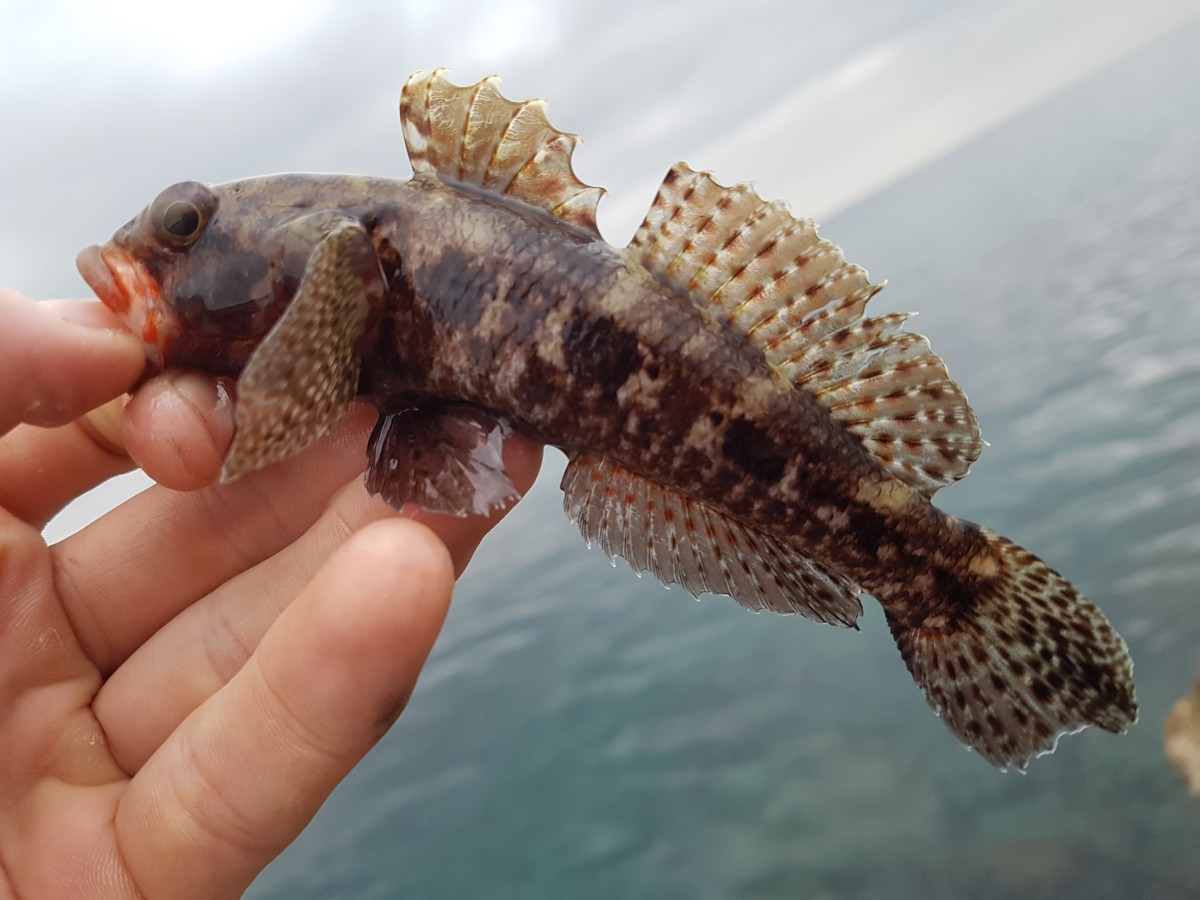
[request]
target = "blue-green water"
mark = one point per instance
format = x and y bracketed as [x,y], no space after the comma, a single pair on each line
[581,733]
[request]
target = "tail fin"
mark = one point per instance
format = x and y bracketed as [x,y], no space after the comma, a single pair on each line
[1030,660]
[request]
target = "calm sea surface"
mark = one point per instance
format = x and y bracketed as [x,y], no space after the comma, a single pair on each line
[582,733]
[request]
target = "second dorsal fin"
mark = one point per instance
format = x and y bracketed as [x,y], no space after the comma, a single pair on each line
[473,135]
[770,277]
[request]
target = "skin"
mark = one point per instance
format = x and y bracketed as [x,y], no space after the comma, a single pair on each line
[184,681]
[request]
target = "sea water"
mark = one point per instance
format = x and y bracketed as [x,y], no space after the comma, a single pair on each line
[581,733]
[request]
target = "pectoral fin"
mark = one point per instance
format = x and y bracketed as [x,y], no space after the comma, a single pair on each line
[447,460]
[301,378]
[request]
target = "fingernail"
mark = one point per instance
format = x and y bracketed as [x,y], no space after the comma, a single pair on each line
[212,400]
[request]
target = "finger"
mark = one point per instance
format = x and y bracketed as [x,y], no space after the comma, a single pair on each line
[245,773]
[44,469]
[178,426]
[126,575]
[190,658]
[61,360]
[36,644]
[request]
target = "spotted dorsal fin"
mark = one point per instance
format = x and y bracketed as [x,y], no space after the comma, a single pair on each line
[473,135]
[769,276]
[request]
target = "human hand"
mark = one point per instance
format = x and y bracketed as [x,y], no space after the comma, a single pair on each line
[184,681]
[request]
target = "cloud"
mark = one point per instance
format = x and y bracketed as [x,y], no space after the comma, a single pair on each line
[106,104]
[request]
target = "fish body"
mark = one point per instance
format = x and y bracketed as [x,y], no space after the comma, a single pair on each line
[734,421]
[582,350]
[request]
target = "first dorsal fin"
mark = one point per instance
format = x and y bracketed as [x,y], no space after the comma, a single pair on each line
[473,135]
[770,277]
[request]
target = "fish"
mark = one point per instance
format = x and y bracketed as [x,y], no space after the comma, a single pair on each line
[733,419]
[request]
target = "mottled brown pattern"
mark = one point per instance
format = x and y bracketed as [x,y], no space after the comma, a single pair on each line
[734,421]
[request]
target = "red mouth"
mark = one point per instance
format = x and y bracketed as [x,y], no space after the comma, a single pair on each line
[126,287]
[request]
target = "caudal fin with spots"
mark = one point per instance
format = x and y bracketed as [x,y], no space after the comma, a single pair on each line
[1027,662]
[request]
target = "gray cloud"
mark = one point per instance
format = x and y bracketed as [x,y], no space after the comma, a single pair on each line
[820,102]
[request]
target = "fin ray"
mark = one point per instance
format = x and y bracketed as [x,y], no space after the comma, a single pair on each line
[1029,661]
[770,277]
[474,135]
[682,541]
[446,459]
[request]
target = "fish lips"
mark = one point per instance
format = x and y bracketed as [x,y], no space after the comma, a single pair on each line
[126,286]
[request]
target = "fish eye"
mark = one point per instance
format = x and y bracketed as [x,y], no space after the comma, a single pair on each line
[181,219]
[180,213]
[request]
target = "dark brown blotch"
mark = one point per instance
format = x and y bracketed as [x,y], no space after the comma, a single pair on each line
[600,350]
[1041,691]
[748,445]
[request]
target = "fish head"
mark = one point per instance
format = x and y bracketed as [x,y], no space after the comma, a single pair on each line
[203,273]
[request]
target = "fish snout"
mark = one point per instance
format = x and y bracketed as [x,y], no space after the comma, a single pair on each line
[125,286]
[90,263]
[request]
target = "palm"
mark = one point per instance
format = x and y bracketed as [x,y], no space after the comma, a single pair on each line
[185,680]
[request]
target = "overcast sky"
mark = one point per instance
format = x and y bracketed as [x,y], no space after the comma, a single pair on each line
[819,103]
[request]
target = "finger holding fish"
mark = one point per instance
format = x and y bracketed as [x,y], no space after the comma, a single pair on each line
[64,366]
[328,632]
[191,657]
[70,425]
[177,428]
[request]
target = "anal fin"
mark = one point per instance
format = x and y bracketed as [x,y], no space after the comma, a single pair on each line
[683,541]
[446,459]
